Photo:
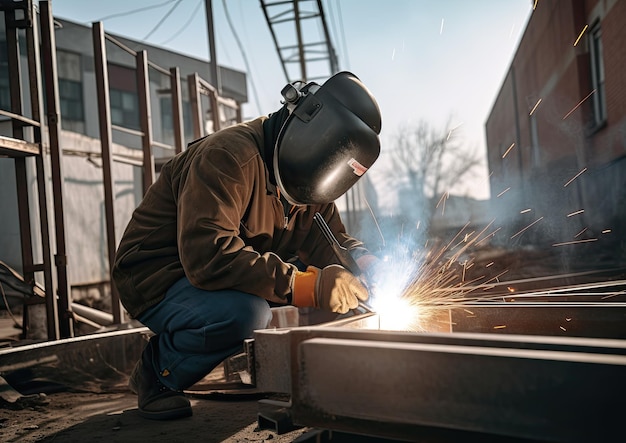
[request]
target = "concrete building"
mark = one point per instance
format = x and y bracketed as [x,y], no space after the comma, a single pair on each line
[556,135]
[84,205]
[77,85]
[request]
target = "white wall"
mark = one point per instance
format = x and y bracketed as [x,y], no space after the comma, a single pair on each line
[84,207]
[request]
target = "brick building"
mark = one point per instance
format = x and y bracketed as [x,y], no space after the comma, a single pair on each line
[556,135]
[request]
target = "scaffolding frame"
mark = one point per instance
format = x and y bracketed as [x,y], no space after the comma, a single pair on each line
[27,142]
[306,51]
[22,16]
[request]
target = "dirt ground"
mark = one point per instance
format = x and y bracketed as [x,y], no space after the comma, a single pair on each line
[113,417]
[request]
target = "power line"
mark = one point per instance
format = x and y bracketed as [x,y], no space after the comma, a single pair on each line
[183,27]
[134,11]
[341,38]
[243,54]
[167,14]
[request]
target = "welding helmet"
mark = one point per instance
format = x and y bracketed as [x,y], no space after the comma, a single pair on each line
[328,141]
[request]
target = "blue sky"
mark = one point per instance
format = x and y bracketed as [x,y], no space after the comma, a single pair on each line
[423,60]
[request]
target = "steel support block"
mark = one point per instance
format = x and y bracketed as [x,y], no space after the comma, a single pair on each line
[394,389]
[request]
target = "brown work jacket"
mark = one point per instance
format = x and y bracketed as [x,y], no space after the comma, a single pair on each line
[213,216]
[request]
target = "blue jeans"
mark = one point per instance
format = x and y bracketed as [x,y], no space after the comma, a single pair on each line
[197,329]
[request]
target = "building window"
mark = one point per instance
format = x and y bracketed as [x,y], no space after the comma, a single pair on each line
[5,94]
[597,76]
[71,91]
[167,126]
[123,96]
[124,109]
[71,97]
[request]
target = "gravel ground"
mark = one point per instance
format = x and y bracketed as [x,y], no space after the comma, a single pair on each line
[113,417]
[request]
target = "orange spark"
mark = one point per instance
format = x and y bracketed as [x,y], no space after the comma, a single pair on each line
[497,277]
[576,213]
[581,34]
[508,150]
[613,295]
[579,103]
[382,237]
[443,199]
[510,289]
[575,242]
[503,192]
[499,327]
[580,233]
[489,236]
[535,107]
[453,129]
[574,177]
[520,232]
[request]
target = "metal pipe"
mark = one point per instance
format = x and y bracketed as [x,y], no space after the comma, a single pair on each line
[145,119]
[215,73]
[177,110]
[100,317]
[48,45]
[106,142]
[193,83]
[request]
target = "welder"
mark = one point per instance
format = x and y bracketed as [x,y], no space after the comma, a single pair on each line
[227,230]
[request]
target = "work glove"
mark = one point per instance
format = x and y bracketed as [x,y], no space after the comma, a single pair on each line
[332,288]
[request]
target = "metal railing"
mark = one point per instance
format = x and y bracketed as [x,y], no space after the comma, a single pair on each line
[26,142]
[197,88]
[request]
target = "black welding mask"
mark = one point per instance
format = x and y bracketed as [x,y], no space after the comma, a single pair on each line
[328,141]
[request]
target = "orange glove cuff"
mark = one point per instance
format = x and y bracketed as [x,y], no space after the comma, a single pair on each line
[303,291]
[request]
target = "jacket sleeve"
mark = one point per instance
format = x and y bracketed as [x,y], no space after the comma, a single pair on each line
[212,199]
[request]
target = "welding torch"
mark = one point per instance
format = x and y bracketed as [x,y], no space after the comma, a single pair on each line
[343,255]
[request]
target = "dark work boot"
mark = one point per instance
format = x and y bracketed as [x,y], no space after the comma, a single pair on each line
[156,401]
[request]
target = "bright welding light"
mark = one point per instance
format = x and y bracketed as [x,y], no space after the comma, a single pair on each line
[396,314]
[395,311]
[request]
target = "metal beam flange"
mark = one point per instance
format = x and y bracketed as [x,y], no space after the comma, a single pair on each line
[395,389]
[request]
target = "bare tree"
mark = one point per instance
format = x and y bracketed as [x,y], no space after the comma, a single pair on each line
[427,162]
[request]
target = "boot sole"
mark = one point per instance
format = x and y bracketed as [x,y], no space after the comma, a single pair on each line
[171,414]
